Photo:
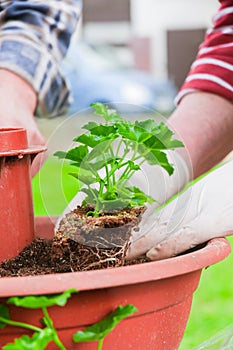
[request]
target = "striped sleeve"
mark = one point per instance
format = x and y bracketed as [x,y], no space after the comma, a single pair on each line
[212,71]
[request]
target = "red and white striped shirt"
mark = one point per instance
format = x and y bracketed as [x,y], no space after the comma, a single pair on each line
[212,71]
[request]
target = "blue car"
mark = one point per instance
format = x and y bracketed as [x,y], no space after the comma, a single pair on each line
[95,78]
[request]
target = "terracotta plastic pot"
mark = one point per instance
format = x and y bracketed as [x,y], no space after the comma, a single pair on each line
[16,209]
[162,291]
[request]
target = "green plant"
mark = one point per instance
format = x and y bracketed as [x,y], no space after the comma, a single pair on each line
[43,336]
[109,154]
[99,330]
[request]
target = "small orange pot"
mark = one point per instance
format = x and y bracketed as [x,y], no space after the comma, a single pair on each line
[16,209]
[162,291]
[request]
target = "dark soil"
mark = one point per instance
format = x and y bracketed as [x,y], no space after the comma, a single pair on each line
[82,243]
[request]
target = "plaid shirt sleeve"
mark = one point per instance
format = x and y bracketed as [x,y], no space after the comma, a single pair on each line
[34,37]
[212,70]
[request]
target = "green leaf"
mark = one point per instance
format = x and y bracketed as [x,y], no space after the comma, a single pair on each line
[60,154]
[100,109]
[133,165]
[134,132]
[152,135]
[92,140]
[100,150]
[92,194]
[101,161]
[35,302]
[4,312]
[88,140]
[76,154]
[148,125]
[99,330]
[141,134]
[115,199]
[38,341]
[89,126]
[110,195]
[160,158]
[139,198]
[114,204]
[154,143]
[103,130]
[110,115]
[137,133]
[86,176]
[165,135]
[126,130]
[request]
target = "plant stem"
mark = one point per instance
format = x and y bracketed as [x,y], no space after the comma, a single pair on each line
[120,165]
[49,323]
[113,157]
[93,171]
[107,175]
[58,342]
[118,148]
[101,187]
[100,344]
[135,150]
[126,174]
[20,324]
[95,198]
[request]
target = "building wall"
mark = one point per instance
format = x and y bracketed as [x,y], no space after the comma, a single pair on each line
[152,18]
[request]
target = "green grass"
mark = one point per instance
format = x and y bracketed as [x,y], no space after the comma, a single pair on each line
[212,308]
[53,188]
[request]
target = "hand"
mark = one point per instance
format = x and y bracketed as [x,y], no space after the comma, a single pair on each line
[204,211]
[156,182]
[17,105]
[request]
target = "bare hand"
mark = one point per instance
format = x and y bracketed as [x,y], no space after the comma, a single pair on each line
[17,106]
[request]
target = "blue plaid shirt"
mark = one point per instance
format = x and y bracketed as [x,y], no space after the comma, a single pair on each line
[34,37]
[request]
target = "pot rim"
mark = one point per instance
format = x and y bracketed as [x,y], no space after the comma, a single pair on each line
[14,142]
[214,251]
[26,151]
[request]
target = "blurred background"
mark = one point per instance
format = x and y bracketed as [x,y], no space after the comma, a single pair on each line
[133,52]
[136,52]
[135,55]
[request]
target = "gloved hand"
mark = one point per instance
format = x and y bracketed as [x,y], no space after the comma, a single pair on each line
[153,180]
[204,211]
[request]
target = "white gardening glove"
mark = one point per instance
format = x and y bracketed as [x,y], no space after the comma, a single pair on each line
[153,180]
[204,211]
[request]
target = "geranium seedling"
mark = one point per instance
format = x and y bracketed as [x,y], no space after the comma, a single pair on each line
[110,153]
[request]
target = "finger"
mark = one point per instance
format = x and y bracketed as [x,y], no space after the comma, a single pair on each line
[138,248]
[35,138]
[37,162]
[182,240]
